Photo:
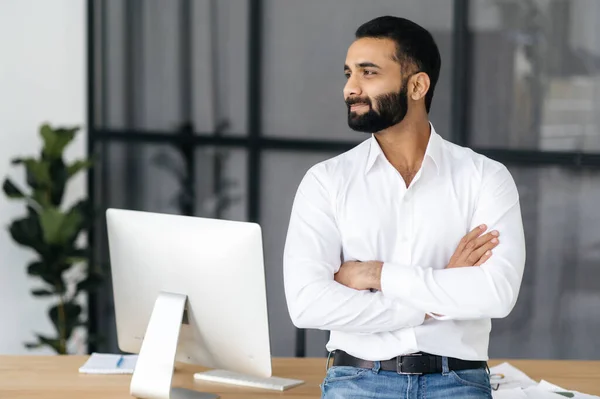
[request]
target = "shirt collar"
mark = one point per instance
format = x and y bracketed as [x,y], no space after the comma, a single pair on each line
[433,151]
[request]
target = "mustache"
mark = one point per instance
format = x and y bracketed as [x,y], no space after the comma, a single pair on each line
[357,100]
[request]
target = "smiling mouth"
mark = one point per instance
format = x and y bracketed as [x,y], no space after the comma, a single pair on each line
[358,107]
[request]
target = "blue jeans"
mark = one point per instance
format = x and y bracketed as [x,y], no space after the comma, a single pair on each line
[342,382]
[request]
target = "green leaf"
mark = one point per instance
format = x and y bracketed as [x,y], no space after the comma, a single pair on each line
[58,282]
[83,207]
[42,197]
[82,323]
[27,232]
[82,253]
[72,226]
[38,175]
[73,260]
[80,218]
[78,166]
[76,255]
[54,278]
[38,172]
[33,345]
[54,343]
[42,292]
[53,255]
[80,215]
[61,228]
[72,311]
[36,268]
[55,140]
[51,220]
[11,190]
[51,273]
[18,161]
[90,283]
[59,176]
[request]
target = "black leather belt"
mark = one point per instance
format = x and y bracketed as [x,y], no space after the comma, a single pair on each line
[416,363]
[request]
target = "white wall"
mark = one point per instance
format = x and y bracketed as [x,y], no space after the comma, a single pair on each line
[42,79]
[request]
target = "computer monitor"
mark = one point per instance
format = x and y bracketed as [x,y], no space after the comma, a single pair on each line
[188,289]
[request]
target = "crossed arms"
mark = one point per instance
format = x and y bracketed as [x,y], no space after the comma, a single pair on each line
[323,294]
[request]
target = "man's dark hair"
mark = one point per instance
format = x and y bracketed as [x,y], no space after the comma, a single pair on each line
[415,47]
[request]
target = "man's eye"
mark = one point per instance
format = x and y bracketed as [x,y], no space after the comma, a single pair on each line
[347,75]
[370,72]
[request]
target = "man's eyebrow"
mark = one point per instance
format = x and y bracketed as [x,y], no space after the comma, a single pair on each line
[368,65]
[362,65]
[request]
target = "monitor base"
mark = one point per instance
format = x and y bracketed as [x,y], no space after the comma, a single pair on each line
[153,373]
[181,393]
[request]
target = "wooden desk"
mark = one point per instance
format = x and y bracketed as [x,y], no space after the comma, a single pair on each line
[54,377]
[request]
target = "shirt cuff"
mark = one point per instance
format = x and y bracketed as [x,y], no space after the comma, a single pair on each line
[433,316]
[396,280]
[416,318]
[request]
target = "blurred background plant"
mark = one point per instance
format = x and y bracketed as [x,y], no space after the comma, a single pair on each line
[52,231]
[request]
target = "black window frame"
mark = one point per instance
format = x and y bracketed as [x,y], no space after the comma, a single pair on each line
[255,143]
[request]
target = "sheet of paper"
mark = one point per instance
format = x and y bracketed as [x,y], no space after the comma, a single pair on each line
[105,363]
[506,376]
[508,382]
[510,393]
[539,393]
[565,392]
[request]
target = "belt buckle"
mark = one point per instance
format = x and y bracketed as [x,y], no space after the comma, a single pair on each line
[399,364]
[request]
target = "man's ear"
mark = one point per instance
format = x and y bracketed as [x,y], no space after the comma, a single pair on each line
[418,86]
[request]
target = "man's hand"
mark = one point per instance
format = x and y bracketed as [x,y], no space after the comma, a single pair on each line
[474,249]
[360,275]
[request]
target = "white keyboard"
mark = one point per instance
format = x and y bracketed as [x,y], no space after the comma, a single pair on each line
[231,378]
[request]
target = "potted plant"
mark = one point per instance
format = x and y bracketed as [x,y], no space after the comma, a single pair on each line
[52,232]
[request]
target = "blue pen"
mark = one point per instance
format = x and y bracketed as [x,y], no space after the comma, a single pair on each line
[120,361]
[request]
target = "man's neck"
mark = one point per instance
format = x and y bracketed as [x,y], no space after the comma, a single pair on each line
[404,145]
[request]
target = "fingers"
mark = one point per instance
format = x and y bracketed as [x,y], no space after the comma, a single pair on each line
[486,238]
[483,253]
[476,232]
[479,252]
[473,248]
[472,235]
[492,242]
[484,258]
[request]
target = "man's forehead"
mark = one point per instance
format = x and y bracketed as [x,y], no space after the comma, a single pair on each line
[378,51]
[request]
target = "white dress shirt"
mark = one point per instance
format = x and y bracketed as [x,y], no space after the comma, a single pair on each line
[356,207]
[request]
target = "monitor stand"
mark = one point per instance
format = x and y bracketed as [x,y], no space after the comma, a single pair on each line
[153,373]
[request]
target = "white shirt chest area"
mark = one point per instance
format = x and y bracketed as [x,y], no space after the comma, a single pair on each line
[380,219]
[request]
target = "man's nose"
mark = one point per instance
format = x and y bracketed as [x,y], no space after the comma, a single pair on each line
[352,88]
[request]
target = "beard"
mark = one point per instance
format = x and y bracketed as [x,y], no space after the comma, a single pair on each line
[391,110]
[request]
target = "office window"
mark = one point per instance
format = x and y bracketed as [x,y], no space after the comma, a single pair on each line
[535,75]
[168,64]
[217,109]
[219,69]
[221,183]
[558,308]
[283,170]
[305,44]
[150,177]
